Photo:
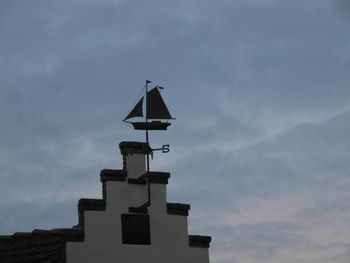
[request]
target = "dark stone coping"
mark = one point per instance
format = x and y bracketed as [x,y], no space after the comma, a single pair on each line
[86,204]
[130,147]
[177,209]
[137,181]
[112,175]
[138,210]
[154,178]
[158,177]
[199,241]
[121,175]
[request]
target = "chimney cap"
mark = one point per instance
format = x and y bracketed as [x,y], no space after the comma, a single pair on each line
[130,147]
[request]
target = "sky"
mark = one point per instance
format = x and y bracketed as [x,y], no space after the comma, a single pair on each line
[260,91]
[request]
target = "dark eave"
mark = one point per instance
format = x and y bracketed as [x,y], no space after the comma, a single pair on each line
[33,249]
[39,246]
[66,234]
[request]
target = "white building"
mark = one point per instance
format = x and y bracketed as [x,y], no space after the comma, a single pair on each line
[115,229]
[132,223]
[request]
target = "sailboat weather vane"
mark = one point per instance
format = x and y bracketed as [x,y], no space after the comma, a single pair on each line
[156,117]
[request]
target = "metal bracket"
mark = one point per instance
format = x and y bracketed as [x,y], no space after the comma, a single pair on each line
[165,148]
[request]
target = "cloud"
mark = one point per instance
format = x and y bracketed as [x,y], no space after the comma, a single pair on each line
[266,214]
[265,211]
[260,91]
[342,7]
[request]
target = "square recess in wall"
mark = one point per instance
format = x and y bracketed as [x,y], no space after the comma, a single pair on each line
[136,229]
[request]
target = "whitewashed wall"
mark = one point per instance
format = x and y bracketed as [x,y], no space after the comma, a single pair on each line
[103,237]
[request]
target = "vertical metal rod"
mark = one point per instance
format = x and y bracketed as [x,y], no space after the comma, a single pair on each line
[147,141]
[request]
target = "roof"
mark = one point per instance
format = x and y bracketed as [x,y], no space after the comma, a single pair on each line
[39,246]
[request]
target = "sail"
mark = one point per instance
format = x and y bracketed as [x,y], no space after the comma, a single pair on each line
[136,111]
[156,108]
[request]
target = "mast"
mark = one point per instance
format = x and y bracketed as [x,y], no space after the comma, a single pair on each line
[147,156]
[156,111]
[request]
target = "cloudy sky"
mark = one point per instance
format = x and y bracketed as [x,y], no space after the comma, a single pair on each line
[260,90]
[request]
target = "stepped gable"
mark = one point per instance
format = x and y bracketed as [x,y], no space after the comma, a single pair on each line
[132,222]
[119,179]
[44,246]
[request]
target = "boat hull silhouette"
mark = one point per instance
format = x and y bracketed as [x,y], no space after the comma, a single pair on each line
[153,125]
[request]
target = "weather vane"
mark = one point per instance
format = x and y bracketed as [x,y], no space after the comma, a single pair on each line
[156,117]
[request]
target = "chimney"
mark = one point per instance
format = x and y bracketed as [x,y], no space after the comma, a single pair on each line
[134,157]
